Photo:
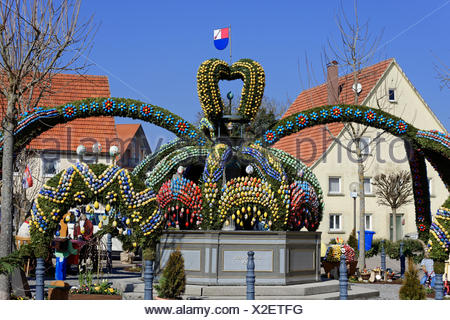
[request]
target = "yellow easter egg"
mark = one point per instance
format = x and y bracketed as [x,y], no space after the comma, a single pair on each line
[114,223]
[107,207]
[96,205]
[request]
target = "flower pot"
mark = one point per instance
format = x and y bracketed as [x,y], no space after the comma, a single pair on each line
[76,296]
[365,276]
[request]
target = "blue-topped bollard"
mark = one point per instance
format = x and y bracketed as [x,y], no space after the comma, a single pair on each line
[383,257]
[148,280]
[402,261]
[343,279]
[383,261]
[109,252]
[438,287]
[251,276]
[40,274]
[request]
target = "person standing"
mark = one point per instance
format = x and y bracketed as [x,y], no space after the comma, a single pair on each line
[427,265]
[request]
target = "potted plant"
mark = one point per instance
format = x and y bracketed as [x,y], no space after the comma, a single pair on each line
[365,275]
[93,291]
[172,282]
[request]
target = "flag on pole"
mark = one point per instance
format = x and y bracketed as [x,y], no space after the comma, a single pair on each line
[221,38]
[27,178]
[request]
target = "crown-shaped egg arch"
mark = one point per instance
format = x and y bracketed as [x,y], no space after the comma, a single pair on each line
[213,70]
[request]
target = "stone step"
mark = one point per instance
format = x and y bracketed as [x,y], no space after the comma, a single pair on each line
[356,293]
[305,289]
[291,290]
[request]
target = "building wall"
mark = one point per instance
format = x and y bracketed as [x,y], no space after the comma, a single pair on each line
[387,156]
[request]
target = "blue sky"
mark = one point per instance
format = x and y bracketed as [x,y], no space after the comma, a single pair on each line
[151,50]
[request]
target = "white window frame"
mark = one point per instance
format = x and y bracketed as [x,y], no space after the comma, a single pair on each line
[340,185]
[333,217]
[430,186]
[365,148]
[395,95]
[49,175]
[370,184]
[368,215]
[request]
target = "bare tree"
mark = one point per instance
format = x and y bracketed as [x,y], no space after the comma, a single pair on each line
[38,39]
[442,71]
[23,196]
[354,50]
[393,190]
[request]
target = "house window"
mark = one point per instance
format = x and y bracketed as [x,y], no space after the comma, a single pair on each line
[368,221]
[334,185]
[392,95]
[364,145]
[367,186]
[49,166]
[335,222]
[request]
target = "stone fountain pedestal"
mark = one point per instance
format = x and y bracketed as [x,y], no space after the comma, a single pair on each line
[220,257]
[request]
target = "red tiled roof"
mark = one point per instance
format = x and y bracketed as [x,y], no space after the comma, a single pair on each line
[125,133]
[309,144]
[66,88]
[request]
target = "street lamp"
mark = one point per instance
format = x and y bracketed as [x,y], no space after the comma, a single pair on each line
[354,195]
[81,150]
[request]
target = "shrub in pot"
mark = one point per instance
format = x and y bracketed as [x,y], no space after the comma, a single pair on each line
[173,279]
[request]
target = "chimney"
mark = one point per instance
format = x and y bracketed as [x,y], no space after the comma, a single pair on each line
[332,82]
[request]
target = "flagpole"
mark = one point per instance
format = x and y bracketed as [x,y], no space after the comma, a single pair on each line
[229,35]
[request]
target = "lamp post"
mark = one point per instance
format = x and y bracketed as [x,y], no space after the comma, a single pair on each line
[354,195]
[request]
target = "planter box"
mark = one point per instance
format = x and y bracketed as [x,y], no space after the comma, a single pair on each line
[220,257]
[94,297]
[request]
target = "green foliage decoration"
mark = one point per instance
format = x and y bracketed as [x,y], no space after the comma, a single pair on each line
[168,165]
[439,242]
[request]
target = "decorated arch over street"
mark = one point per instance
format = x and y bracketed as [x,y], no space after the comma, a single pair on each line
[420,145]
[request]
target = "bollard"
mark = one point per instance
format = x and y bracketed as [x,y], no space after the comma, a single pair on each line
[148,280]
[40,274]
[402,261]
[251,276]
[343,280]
[438,287]
[109,252]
